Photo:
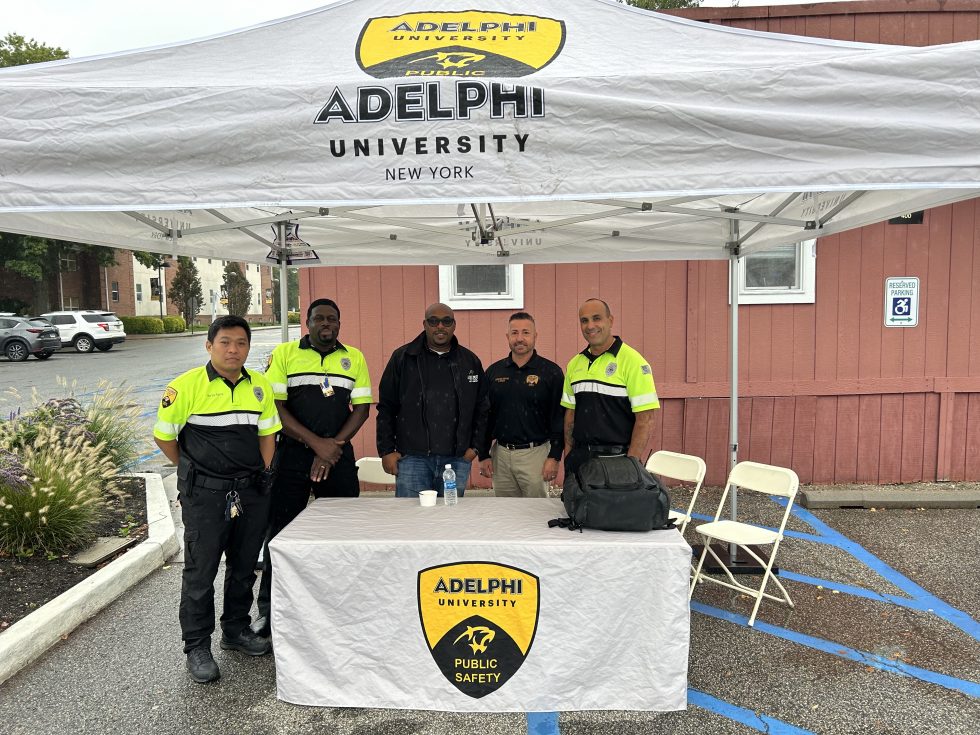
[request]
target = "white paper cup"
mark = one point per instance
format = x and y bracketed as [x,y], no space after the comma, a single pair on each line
[427,498]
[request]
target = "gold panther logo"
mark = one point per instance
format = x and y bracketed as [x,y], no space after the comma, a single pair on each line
[463,43]
[478,620]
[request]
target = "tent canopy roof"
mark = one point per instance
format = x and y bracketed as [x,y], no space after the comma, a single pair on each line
[581,131]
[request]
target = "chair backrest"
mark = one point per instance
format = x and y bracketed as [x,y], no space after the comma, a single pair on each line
[370,469]
[765,478]
[684,467]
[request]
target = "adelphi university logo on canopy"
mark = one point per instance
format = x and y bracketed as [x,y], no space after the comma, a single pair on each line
[479,619]
[471,43]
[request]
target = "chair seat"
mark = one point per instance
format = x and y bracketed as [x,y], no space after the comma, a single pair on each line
[676,515]
[737,533]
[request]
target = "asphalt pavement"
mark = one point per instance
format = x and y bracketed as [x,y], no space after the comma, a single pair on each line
[880,641]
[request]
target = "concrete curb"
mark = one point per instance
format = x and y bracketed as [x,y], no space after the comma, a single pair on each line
[28,638]
[889,497]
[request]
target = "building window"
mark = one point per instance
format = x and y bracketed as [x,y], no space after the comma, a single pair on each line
[115,290]
[68,261]
[139,291]
[72,302]
[482,286]
[209,261]
[783,275]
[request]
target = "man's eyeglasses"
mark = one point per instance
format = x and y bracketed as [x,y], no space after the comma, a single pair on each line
[434,321]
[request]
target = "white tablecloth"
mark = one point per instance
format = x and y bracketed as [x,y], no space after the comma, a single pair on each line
[366,610]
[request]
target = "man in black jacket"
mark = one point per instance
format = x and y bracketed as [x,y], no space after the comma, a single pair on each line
[432,407]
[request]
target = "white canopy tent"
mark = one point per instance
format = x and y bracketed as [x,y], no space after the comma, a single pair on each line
[588,131]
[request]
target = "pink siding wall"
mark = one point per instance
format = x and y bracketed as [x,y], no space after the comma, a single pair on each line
[826,388]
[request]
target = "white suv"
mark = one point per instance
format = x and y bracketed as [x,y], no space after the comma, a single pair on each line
[87,330]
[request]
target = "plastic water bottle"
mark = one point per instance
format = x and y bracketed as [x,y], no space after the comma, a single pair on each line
[449,494]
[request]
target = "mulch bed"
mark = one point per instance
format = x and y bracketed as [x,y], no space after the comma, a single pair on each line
[26,583]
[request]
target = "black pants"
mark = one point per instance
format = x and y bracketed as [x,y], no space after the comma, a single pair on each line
[207,535]
[291,494]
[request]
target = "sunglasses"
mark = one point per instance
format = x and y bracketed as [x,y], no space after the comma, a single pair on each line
[434,321]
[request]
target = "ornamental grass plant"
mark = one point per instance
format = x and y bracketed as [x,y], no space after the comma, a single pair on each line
[53,491]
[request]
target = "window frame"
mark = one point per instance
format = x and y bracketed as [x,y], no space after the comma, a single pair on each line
[806,293]
[513,300]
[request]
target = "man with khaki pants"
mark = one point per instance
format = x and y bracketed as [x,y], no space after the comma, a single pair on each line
[524,431]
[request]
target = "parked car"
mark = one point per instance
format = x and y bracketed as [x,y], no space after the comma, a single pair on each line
[88,330]
[19,339]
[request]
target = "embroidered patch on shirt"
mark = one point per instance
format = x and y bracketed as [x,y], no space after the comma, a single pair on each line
[531,380]
[169,396]
[610,369]
[645,369]
[345,363]
[259,393]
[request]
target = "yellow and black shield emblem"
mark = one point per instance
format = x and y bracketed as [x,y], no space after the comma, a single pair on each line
[471,43]
[479,620]
[169,396]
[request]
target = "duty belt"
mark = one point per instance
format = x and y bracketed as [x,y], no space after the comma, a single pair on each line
[224,484]
[609,449]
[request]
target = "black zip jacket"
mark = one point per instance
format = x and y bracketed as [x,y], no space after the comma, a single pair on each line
[401,424]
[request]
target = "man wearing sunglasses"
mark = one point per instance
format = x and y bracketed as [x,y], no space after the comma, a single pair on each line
[432,407]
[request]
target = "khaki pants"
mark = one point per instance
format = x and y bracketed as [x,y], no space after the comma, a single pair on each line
[517,472]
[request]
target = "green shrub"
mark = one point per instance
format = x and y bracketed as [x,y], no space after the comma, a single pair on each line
[292,317]
[51,495]
[142,324]
[174,324]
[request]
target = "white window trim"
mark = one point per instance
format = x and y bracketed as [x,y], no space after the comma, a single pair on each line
[806,294]
[513,301]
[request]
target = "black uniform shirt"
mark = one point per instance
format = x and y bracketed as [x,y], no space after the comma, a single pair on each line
[525,404]
[441,401]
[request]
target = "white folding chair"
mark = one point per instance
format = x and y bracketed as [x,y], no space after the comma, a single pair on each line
[761,478]
[683,467]
[370,469]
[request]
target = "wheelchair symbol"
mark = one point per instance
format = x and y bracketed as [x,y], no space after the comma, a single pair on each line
[901,306]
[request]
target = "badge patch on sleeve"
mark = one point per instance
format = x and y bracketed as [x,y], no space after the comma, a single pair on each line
[169,396]
[645,369]
[479,620]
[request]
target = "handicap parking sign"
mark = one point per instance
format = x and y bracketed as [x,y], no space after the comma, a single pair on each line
[902,301]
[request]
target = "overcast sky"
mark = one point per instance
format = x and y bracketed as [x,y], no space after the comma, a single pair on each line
[88,27]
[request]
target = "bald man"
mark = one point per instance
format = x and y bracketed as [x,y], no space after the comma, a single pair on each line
[609,395]
[432,407]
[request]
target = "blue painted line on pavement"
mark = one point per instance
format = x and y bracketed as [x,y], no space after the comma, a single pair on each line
[848,589]
[944,610]
[891,666]
[151,455]
[761,723]
[542,723]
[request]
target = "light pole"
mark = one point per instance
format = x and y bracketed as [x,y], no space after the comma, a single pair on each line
[161,264]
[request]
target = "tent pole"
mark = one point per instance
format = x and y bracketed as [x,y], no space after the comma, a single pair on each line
[733,266]
[283,282]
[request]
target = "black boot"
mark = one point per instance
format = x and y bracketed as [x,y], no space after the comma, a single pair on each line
[201,665]
[246,642]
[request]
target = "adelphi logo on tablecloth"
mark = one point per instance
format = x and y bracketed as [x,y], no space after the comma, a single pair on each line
[479,620]
[471,43]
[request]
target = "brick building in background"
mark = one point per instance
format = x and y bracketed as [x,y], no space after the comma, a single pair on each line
[130,289]
[826,388]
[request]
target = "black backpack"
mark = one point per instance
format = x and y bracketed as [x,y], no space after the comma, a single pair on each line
[615,494]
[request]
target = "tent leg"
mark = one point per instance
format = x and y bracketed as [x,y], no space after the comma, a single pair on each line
[283,282]
[733,266]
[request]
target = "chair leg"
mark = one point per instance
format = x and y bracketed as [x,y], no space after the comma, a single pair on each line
[697,572]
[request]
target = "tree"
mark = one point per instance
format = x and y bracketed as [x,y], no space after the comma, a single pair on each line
[15,50]
[153,261]
[292,295]
[186,292]
[39,260]
[239,290]
[664,4]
